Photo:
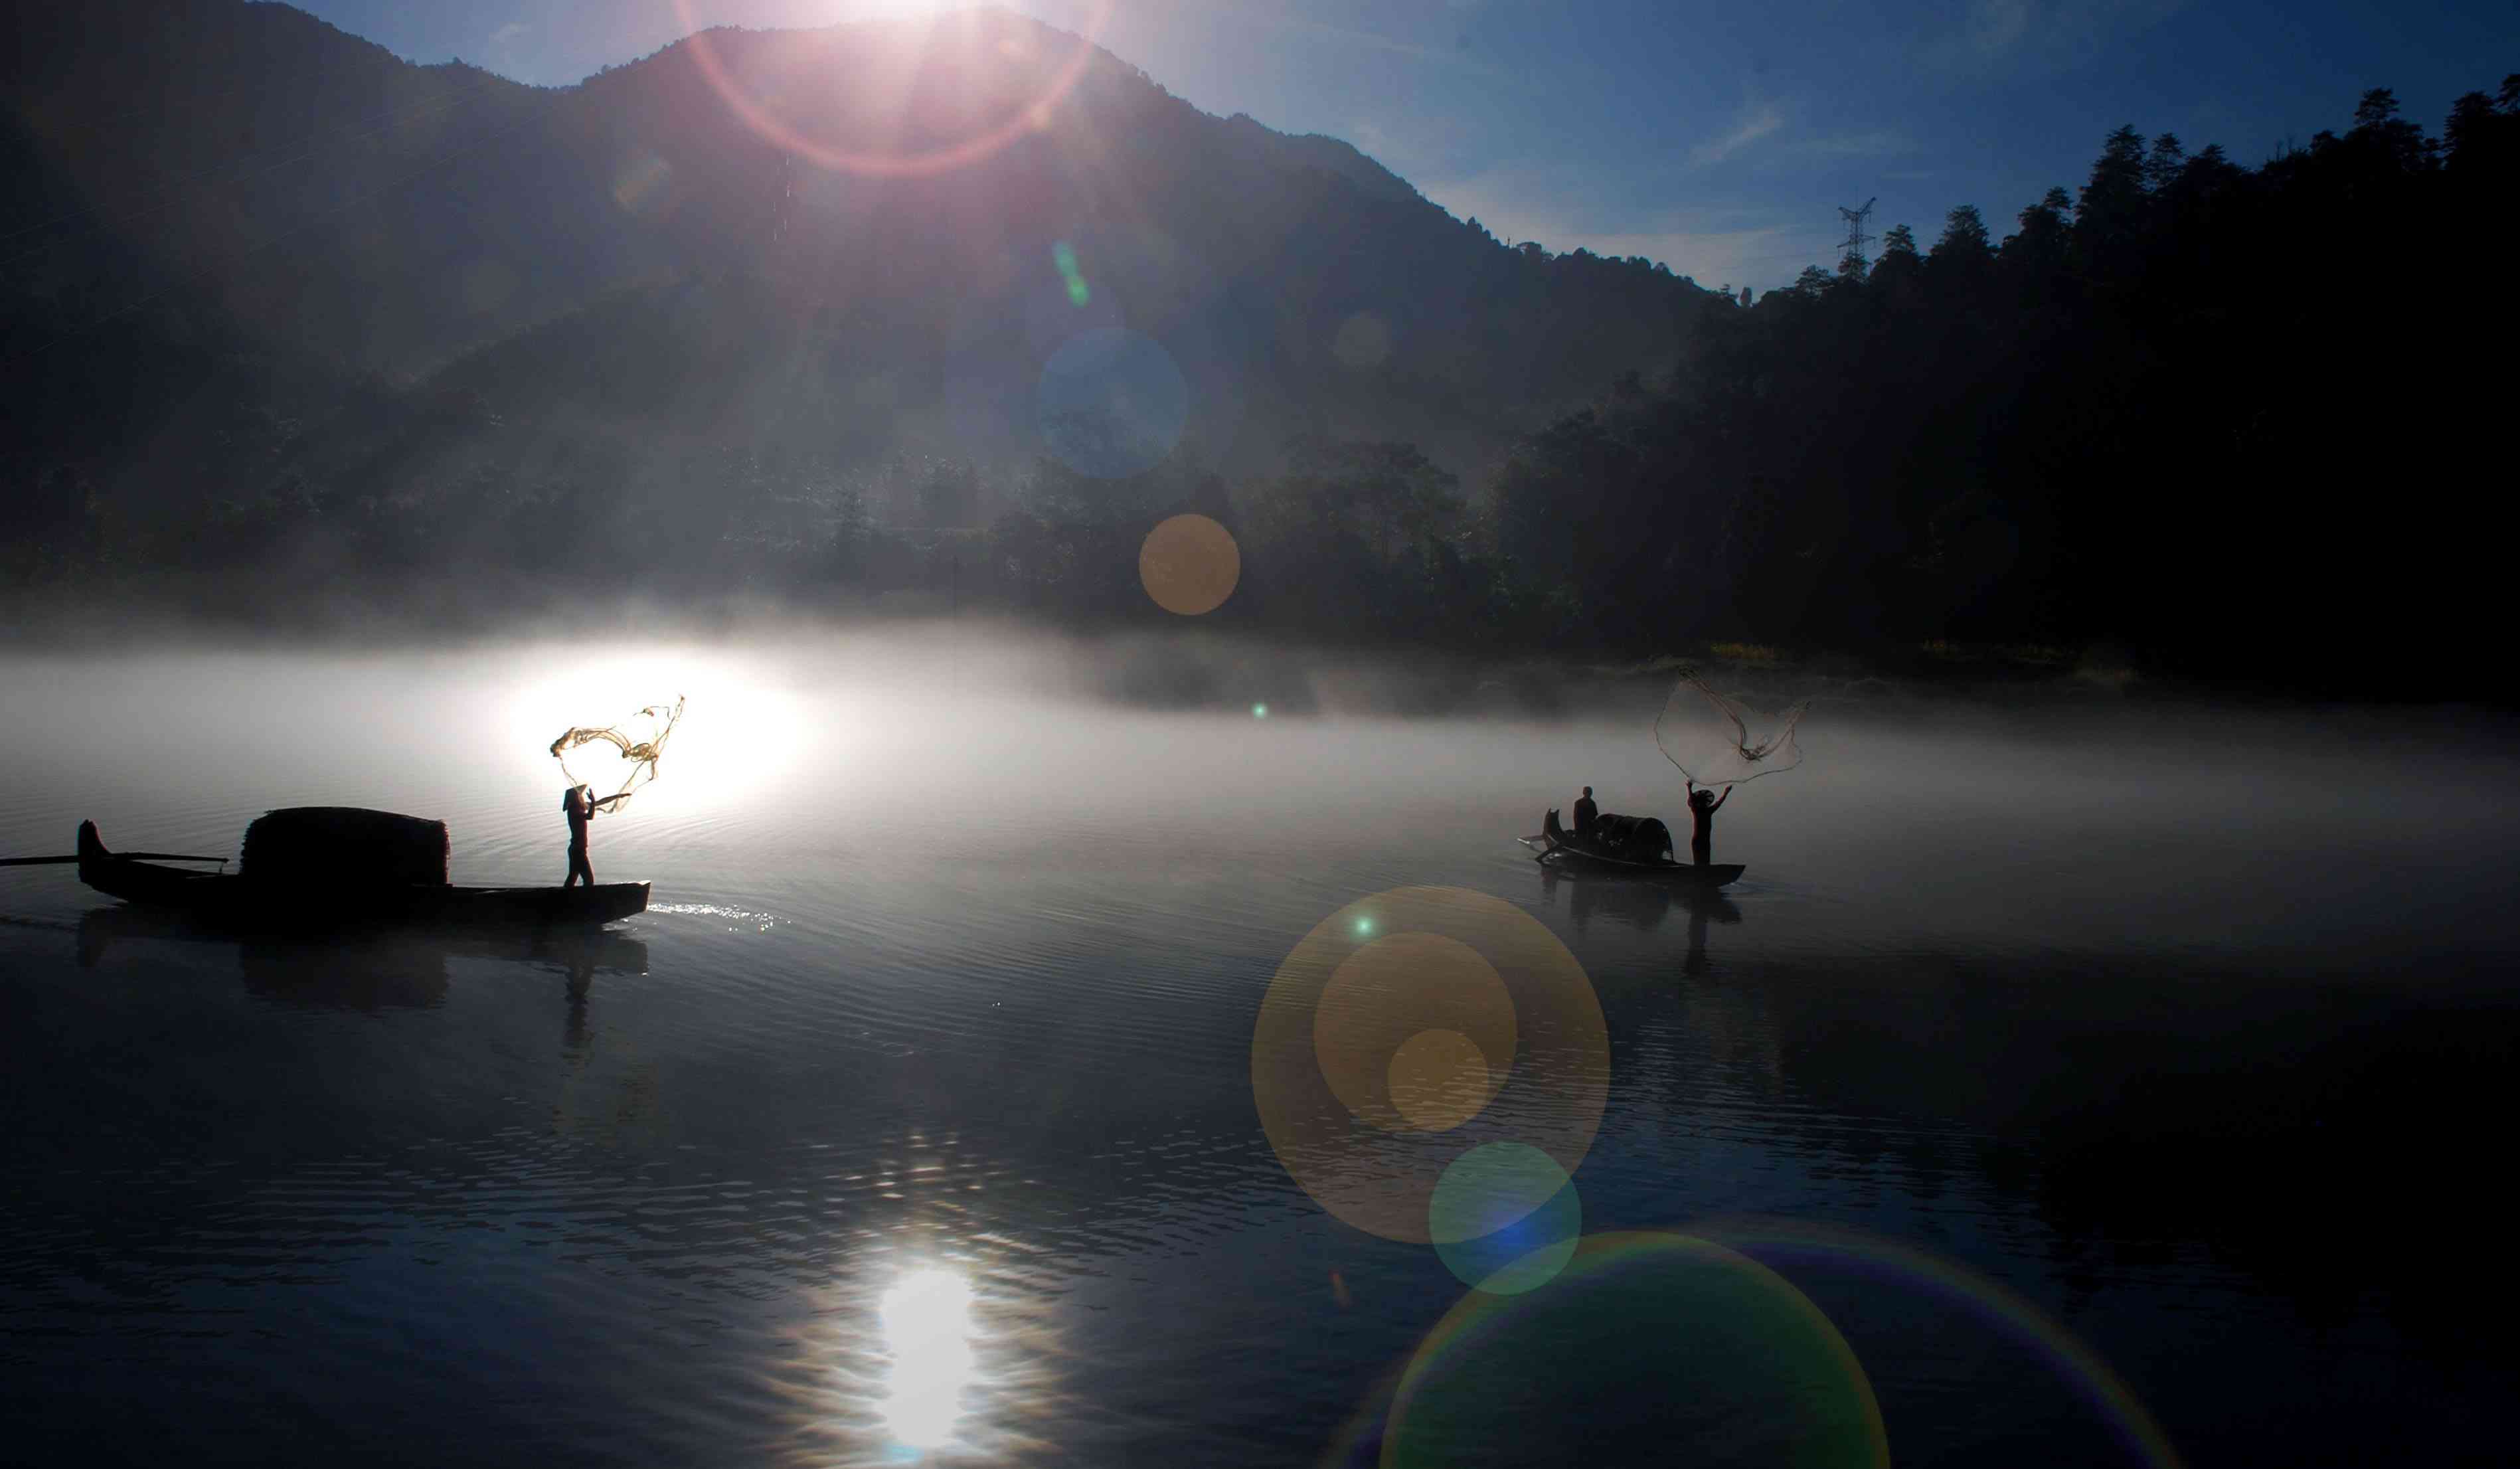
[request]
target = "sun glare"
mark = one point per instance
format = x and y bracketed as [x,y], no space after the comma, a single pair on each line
[738,732]
[956,28]
[928,1330]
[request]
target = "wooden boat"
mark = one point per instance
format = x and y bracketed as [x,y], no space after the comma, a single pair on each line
[238,901]
[1647,853]
[1565,856]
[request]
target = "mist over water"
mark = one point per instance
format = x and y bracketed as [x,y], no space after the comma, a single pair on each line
[916,1116]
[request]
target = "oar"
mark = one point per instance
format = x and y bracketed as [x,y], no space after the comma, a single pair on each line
[147,856]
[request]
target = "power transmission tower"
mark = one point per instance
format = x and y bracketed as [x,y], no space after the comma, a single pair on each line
[1856,237]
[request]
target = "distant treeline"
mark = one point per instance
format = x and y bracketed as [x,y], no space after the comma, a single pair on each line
[2244,422]
[2240,422]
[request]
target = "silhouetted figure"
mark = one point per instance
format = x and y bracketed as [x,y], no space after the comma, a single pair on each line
[1586,814]
[579,812]
[1702,807]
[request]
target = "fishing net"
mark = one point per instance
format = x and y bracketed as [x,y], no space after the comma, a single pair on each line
[640,741]
[1707,735]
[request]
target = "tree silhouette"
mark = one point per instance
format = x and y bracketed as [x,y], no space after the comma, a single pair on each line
[2122,426]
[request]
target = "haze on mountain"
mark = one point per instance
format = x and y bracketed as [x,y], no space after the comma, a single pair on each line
[291,323]
[313,199]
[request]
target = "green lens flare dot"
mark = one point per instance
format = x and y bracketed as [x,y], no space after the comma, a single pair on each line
[1505,1218]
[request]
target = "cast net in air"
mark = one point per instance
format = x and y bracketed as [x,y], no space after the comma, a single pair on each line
[638,742]
[1707,735]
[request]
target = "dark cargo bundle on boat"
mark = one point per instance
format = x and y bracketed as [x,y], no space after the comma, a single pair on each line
[1638,839]
[328,845]
[1632,839]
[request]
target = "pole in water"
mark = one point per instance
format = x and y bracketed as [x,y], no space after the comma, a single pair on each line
[146,856]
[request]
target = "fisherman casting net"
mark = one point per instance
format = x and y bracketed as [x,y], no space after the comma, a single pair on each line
[1708,737]
[640,741]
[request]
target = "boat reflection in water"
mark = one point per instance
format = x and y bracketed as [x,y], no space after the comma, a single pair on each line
[927,1333]
[387,970]
[1640,903]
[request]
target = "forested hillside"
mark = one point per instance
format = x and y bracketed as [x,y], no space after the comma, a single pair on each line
[291,327]
[2243,421]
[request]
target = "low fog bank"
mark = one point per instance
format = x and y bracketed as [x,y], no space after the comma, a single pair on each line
[1190,666]
[2058,814]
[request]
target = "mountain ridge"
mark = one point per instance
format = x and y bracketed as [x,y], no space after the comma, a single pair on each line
[463,211]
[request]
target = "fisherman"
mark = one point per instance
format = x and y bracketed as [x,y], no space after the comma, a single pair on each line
[580,811]
[1702,807]
[1586,814]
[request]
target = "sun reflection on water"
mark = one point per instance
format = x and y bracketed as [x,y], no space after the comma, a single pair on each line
[928,1331]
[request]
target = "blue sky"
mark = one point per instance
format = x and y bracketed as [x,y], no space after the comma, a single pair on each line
[1717,139]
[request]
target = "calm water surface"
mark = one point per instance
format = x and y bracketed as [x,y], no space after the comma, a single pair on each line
[2112,1083]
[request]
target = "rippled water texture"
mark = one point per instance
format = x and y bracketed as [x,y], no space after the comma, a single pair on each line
[2082,1085]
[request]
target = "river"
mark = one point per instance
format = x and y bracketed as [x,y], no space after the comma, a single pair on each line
[2091,1080]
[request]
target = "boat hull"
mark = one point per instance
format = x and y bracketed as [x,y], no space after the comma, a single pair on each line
[1564,857]
[231,901]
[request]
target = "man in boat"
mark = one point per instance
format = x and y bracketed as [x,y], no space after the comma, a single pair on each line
[1586,814]
[1702,807]
[579,811]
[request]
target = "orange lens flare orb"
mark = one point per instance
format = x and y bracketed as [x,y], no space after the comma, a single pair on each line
[1189,565]
[1414,1033]
[1409,1032]
[1440,1079]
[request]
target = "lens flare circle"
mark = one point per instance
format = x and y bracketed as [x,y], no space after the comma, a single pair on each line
[1383,1019]
[1362,1054]
[1504,1217]
[1033,115]
[1189,565]
[1439,1080]
[1363,340]
[1706,1354]
[1112,404]
[1063,256]
[1950,1291]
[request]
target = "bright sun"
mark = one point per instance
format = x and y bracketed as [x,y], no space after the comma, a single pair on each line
[743,730]
[880,10]
[928,1331]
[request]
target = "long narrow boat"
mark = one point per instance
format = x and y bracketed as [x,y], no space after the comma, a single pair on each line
[238,901]
[1566,857]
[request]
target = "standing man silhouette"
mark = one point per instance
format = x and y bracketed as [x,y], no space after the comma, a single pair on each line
[579,811]
[1702,807]
[1586,814]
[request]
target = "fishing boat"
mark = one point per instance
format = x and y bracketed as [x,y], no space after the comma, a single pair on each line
[1623,846]
[329,867]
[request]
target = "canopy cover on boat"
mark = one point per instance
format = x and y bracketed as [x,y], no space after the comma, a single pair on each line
[1629,838]
[1638,839]
[331,845]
